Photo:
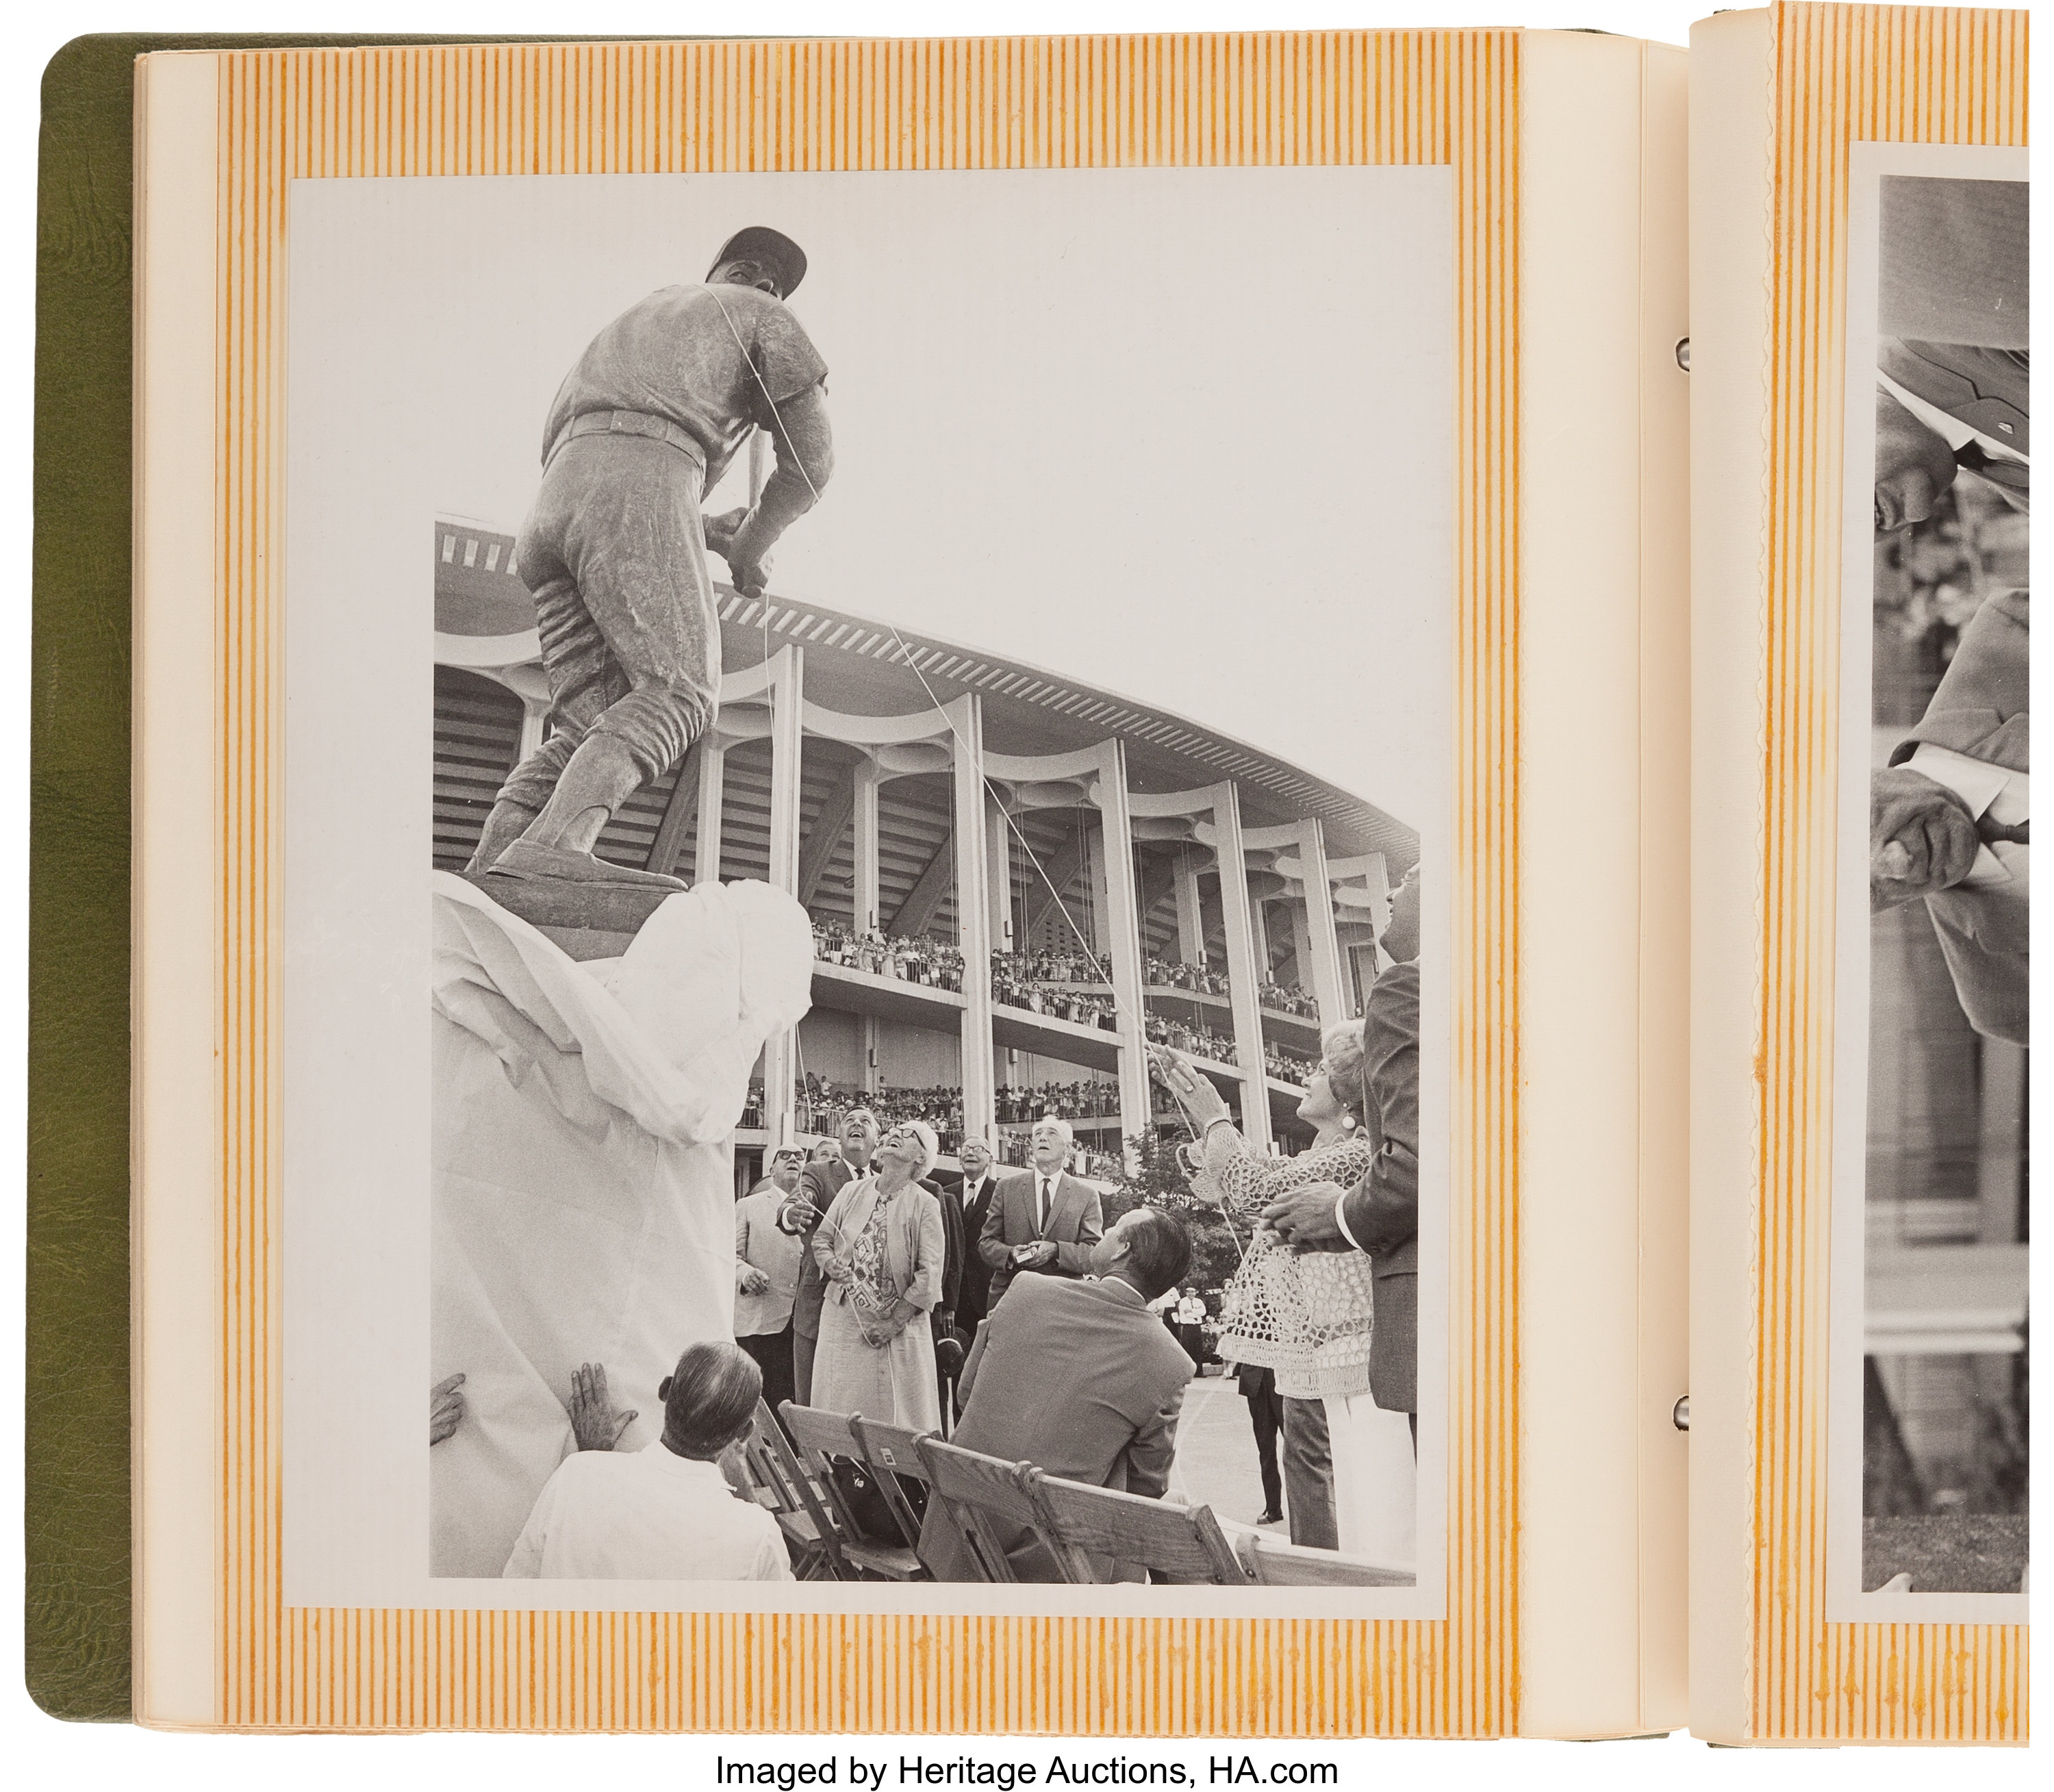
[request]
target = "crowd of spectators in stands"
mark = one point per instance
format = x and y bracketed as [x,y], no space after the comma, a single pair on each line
[1079,1100]
[911,960]
[1014,985]
[1287,998]
[1292,1067]
[1199,1042]
[1063,984]
[1051,968]
[1170,973]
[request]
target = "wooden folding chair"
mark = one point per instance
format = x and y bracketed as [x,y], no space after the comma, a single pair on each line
[783,1489]
[1272,1562]
[978,1496]
[890,1451]
[1179,1544]
[821,1436]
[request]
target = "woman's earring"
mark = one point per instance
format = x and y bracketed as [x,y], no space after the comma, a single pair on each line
[1349,1123]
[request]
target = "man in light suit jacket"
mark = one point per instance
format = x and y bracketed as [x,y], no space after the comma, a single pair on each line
[1949,818]
[1042,1220]
[1079,1378]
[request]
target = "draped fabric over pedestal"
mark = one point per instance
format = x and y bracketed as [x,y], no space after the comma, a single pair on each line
[583,1184]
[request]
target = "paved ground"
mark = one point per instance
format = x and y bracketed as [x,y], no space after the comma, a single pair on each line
[1962,1553]
[1216,1462]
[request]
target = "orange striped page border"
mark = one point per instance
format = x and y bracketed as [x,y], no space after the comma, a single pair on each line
[1390,98]
[1842,74]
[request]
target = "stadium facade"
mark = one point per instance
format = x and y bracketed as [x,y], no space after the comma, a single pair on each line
[1016,878]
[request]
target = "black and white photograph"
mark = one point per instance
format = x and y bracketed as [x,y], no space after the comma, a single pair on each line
[1944,1215]
[918,724]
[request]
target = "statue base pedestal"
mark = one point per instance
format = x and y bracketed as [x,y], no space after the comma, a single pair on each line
[587,921]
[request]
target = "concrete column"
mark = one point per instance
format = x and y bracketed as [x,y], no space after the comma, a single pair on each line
[1116,835]
[712,780]
[1240,966]
[863,823]
[973,912]
[1190,920]
[787,734]
[1097,855]
[1301,942]
[1319,956]
[533,716]
[998,873]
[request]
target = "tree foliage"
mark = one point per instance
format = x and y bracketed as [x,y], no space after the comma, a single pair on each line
[1157,1180]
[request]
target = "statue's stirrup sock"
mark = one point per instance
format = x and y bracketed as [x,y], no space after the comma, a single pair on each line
[525,859]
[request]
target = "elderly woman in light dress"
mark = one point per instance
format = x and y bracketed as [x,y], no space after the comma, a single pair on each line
[881,1247]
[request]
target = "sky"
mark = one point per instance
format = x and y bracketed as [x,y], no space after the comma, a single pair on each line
[1183,434]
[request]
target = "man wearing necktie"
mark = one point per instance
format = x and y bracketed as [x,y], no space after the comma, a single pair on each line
[980,1184]
[1043,1221]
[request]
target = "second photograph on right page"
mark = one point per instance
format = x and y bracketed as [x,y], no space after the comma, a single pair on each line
[1929,1451]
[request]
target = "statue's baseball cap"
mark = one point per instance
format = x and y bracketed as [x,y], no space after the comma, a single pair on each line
[764,244]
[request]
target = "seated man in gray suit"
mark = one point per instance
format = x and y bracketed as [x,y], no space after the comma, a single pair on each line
[1042,1220]
[1079,1378]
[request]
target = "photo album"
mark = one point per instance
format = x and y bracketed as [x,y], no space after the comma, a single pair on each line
[1111,887]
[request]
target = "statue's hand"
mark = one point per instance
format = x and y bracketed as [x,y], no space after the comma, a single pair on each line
[750,577]
[720,530]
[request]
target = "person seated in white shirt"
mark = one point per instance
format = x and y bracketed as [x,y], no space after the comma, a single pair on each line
[665,1512]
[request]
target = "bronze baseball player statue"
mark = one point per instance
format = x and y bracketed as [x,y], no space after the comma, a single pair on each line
[615,548]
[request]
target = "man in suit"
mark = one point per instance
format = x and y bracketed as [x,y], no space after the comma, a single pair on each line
[1077,1377]
[1953,376]
[1266,1414]
[967,1281]
[1042,1221]
[954,1252]
[819,1183]
[1950,821]
[766,1275]
[973,1197]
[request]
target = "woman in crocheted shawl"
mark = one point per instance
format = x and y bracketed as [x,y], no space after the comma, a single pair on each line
[1348,1465]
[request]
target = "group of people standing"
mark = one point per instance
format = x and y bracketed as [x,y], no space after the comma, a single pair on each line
[860,1276]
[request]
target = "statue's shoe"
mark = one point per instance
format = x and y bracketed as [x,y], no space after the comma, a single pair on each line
[525,859]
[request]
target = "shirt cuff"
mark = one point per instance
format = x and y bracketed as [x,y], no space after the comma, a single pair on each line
[1976,781]
[1340,1217]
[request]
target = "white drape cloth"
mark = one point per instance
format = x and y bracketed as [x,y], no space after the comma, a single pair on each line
[584,1193]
